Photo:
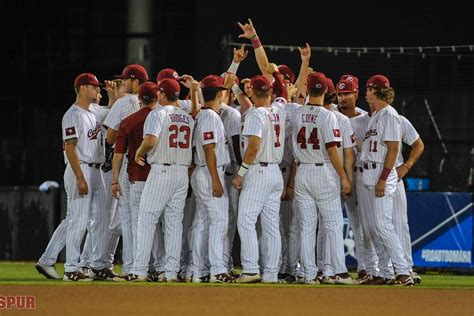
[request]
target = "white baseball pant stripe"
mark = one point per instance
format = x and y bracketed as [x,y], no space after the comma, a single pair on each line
[200,240]
[380,224]
[368,250]
[186,250]
[136,189]
[80,210]
[56,244]
[125,213]
[285,220]
[294,239]
[158,253]
[165,191]
[217,210]
[400,221]
[317,191]
[233,212]
[260,196]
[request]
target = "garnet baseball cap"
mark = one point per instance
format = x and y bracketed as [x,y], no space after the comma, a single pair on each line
[287,73]
[148,91]
[169,87]
[86,79]
[167,73]
[346,86]
[330,83]
[316,80]
[378,81]
[134,71]
[260,83]
[351,78]
[212,81]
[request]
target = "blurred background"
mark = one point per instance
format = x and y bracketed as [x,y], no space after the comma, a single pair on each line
[427,52]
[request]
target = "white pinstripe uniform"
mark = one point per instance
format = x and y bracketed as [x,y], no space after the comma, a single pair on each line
[85,126]
[210,130]
[313,128]
[261,190]
[400,208]
[122,108]
[367,260]
[384,126]
[347,142]
[231,120]
[165,188]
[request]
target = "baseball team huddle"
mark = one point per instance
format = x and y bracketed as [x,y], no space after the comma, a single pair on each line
[272,156]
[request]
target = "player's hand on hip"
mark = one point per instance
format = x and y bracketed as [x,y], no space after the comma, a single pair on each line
[116,190]
[140,160]
[237,182]
[346,187]
[380,188]
[82,187]
[217,188]
[402,171]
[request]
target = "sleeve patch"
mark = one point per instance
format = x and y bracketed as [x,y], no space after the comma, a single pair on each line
[208,135]
[337,132]
[70,131]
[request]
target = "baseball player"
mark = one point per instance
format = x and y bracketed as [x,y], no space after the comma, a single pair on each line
[84,154]
[212,157]
[346,155]
[132,76]
[261,182]
[400,219]
[315,130]
[128,140]
[379,153]
[167,140]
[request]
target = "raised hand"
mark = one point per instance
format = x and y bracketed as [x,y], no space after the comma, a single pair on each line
[240,54]
[186,80]
[248,29]
[272,68]
[305,52]
[229,80]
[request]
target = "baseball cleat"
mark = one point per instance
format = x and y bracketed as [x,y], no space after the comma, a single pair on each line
[204,279]
[76,276]
[344,278]
[48,271]
[222,278]
[314,281]
[134,278]
[402,280]
[249,278]
[327,279]
[416,278]
[373,280]
[104,274]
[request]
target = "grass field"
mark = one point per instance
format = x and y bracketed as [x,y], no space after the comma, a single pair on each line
[24,273]
[439,294]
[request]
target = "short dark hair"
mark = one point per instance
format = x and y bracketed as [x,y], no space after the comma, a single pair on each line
[209,94]
[316,92]
[261,94]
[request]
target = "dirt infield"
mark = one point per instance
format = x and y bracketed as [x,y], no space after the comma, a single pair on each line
[216,300]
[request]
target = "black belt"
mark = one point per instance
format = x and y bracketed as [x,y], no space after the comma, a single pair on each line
[94,165]
[167,164]
[319,164]
[229,173]
[263,164]
[370,166]
[358,168]
[283,169]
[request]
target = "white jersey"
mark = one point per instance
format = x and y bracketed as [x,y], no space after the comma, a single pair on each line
[409,136]
[313,128]
[210,130]
[288,149]
[242,142]
[123,107]
[347,135]
[231,119]
[174,129]
[87,128]
[267,123]
[359,126]
[384,126]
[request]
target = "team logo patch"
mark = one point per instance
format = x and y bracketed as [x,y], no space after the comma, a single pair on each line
[337,132]
[70,131]
[342,85]
[208,135]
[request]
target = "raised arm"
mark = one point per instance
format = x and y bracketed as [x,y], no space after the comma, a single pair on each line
[250,33]
[300,83]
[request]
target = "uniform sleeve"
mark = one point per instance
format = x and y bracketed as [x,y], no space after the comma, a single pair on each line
[153,124]
[71,126]
[234,123]
[208,129]
[347,134]
[409,133]
[185,105]
[100,112]
[114,117]
[331,132]
[121,143]
[390,129]
[253,125]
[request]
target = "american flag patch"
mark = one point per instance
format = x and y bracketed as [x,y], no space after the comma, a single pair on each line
[337,132]
[70,131]
[208,135]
